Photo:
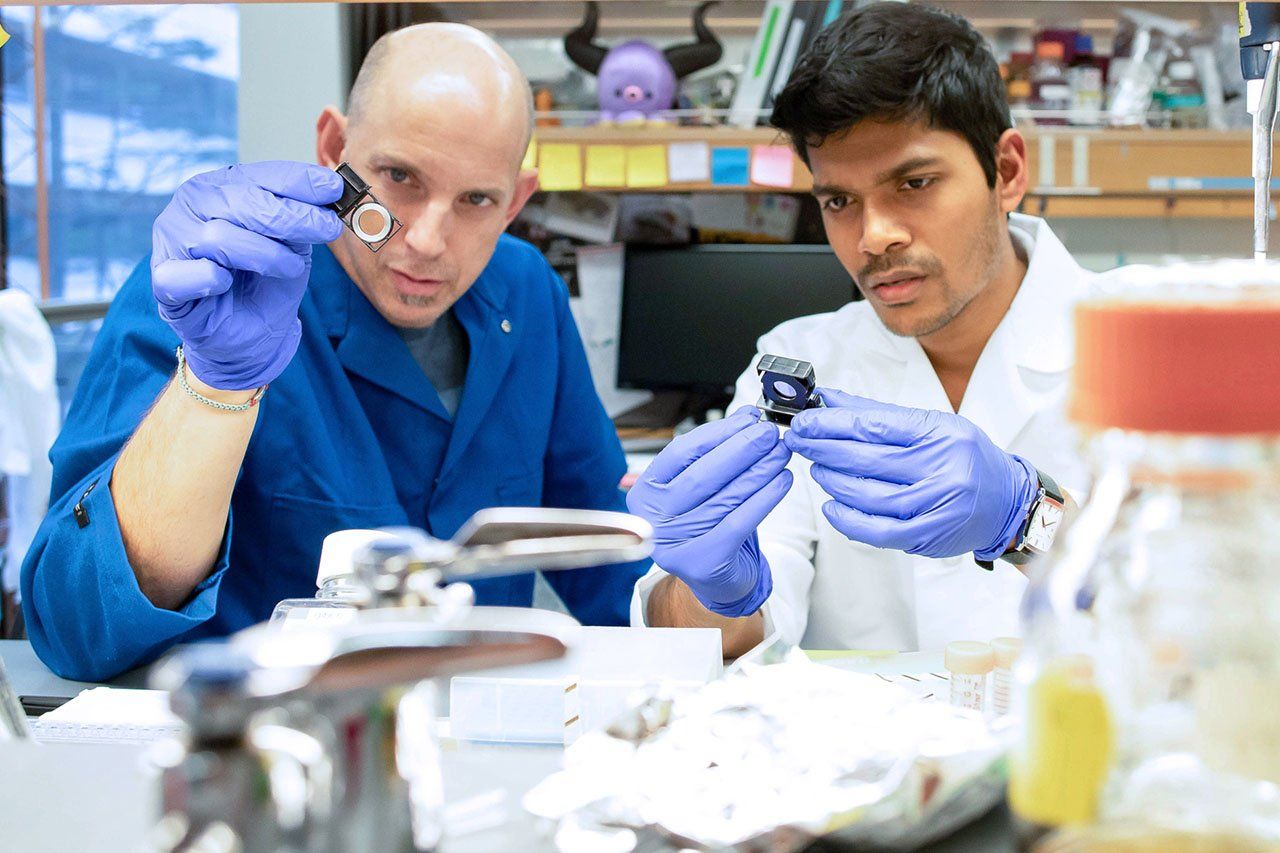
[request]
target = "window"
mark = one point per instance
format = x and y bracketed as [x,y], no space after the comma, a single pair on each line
[137,99]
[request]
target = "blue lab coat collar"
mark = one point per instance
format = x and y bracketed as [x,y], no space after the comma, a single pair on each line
[370,347]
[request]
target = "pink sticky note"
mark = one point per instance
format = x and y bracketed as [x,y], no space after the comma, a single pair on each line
[771,165]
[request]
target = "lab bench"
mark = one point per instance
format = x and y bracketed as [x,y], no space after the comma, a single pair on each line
[483,782]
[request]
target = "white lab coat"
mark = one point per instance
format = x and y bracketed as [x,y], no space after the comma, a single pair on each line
[831,593]
[29,417]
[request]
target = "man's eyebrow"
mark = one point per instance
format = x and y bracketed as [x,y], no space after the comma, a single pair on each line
[906,167]
[493,192]
[820,190]
[897,173]
[380,160]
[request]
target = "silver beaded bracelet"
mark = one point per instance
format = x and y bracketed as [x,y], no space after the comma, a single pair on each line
[222,407]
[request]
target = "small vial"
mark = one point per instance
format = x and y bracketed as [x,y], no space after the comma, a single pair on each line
[336,578]
[338,592]
[968,662]
[1005,650]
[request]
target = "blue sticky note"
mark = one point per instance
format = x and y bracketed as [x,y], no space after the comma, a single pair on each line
[730,166]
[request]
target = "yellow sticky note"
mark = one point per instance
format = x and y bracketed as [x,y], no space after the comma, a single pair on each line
[530,156]
[560,166]
[647,166]
[606,166]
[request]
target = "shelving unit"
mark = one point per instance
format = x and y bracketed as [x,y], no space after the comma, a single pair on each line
[1075,172]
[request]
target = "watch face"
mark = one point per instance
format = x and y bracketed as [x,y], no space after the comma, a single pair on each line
[1044,526]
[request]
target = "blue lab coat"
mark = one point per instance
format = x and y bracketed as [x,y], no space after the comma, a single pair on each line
[351,434]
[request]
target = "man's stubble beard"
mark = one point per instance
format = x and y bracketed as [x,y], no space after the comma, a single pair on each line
[957,302]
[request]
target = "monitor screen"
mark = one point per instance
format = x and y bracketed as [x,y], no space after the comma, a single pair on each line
[691,316]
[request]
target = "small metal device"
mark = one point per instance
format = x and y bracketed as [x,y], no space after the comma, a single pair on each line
[361,211]
[788,387]
[412,569]
[321,739]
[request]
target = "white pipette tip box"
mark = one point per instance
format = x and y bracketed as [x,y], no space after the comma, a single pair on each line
[554,702]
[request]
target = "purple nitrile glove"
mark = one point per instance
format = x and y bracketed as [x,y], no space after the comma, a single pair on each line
[915,480]
[231,255]
[705,494]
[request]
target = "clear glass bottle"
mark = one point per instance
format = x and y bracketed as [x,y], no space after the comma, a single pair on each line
[1184,97]
[1018,86]
[1085,79]
[338,591]
[1149,686]
[1050,91]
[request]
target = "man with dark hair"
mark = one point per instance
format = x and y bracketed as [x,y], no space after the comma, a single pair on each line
[876,533]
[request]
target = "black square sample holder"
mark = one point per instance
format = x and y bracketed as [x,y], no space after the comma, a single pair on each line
[361,211]
[788,387]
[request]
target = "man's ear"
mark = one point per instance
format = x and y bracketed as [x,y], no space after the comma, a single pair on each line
[1011,170]
[331,137]
[526,185]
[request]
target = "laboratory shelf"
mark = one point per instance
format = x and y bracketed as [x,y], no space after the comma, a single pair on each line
[1074,171]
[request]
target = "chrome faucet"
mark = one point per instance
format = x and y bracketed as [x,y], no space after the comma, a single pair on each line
[322,739]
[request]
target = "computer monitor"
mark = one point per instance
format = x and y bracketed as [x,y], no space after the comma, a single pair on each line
[691,316]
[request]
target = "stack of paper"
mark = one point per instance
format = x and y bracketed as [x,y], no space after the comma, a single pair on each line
[110,715]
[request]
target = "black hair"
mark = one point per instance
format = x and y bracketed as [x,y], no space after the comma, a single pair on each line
[896,62]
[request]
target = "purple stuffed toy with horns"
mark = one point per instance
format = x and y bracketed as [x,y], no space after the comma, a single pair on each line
[636,80]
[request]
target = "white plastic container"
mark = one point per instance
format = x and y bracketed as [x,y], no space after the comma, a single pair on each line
[968,662]
[1005,651]
[336,587]
[595,681]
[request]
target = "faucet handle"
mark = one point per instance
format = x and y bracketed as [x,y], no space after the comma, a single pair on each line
[217,687]
[514,540]
[406,567]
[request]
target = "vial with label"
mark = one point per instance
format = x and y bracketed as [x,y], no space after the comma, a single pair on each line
[338,594]
[1183,97]
[1050,90]
[1005,651]
[968,663]
[1086,79]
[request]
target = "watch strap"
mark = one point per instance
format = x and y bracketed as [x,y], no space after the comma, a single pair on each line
[1017,555]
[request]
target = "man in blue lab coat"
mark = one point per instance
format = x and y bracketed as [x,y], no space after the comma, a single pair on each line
[417,385]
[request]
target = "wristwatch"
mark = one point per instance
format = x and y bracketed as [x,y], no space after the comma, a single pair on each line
[1037,533]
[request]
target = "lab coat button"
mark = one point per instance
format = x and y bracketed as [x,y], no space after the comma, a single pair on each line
[506,326]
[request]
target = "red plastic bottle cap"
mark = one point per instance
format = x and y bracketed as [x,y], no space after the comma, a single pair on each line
[1182,367]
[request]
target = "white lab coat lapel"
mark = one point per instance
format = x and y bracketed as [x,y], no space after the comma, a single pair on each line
[997,399]
[1032,344]
[914,383]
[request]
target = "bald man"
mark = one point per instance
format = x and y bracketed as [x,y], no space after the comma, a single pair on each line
[416,385]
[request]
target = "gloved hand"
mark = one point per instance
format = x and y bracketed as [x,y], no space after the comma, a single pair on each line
[914,480]
[230,262]
[705,494]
